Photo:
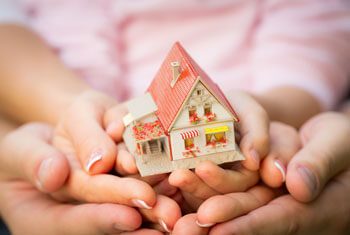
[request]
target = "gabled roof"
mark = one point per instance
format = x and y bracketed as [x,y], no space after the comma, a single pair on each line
[169,99]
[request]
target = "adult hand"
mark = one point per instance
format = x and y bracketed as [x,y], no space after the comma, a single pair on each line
[26,154]
[325,175]
[26,158]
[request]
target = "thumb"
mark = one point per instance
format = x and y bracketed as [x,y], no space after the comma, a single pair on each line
[253,128]
[325,153]
[113,121]
[26,154]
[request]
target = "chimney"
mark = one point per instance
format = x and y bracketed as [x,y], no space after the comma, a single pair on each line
[175,66]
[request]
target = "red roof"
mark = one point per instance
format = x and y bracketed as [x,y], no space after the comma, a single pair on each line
[170,99]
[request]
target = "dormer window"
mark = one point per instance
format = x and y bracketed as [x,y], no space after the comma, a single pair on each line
[207,109]
[193,116]
[208,113]
[192,110]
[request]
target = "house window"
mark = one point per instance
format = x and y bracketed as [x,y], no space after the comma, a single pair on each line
[192,111]
[207,109]
[189,143]
[215,138]
[199,92]
[193,116]
[208,113]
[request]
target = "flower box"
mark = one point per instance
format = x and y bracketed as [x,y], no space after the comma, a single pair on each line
[215,143]
[209,117]
[190,152]
[194,119]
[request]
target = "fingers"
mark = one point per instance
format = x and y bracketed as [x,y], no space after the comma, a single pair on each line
[325,153]
[226,180]
[222,208]
[143,232]
[83,127]
[152,179]
[165,213]
[100,219]
[125,162]
[106,188]
[164,188]
[189,182]
[26,154]
[28,211]
[113,120]
[187,225]
[253,127]
[285,142]
[272,219]
[285,215]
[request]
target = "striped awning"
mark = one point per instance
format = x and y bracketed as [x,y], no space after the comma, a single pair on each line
[189,134]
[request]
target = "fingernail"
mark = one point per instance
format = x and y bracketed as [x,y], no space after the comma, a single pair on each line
[94,157]
[43,172]
[141,204]
[204,225]
[309,178]
[255,156]
[279,165]
[164,225]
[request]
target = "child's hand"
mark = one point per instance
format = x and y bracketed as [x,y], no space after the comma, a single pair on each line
[27,159]
[82,137]
[209,179]
[91,132]
[217,209]
[318,172]
[82,132]
[285,143]
[166,212]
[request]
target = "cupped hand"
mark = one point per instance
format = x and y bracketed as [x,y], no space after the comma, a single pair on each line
[325,154]
[28,160]
[29,211]
[26,154]
[225,207]
[209,179]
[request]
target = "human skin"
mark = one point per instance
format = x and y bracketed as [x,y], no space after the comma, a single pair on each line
[84,131]
[43,89]
[309,208]
[25,205]
[78,112]
[209,179]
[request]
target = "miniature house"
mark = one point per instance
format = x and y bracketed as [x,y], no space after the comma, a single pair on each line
[183,119]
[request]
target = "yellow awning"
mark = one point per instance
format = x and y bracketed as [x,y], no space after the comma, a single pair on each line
[216,129]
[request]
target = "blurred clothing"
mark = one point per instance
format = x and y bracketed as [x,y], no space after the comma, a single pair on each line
[256,45]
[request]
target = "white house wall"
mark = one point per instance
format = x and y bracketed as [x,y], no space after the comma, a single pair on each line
[183,124]
[178,145]
[217,108]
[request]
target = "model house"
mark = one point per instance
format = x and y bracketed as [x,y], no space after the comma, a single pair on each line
[183,119]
